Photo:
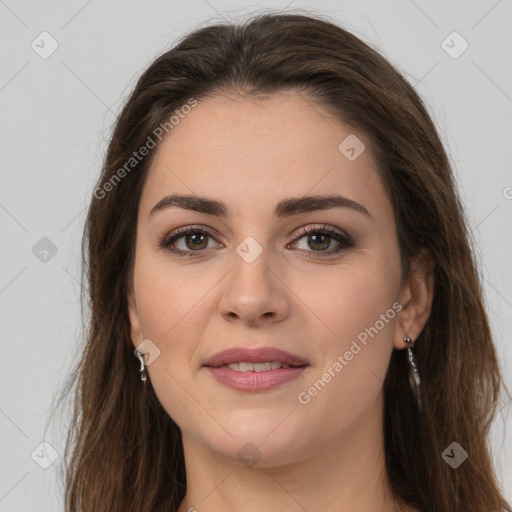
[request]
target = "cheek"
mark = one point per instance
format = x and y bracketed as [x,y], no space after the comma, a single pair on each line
[356,303]
[168,305]
[169,297]
[349,299]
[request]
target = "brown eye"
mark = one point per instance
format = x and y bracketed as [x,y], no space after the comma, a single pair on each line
[194,240]
[320,239]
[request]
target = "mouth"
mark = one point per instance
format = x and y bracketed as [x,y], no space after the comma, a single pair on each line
[255,370]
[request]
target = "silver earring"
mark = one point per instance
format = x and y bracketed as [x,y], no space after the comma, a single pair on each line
[143,375]
[414,376]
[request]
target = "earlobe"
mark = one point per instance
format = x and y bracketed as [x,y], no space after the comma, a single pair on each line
[416,299]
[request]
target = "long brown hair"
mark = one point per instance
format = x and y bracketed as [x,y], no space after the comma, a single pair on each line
[123,451]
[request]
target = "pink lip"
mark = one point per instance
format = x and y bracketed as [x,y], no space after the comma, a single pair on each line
[254,381]
[253,355]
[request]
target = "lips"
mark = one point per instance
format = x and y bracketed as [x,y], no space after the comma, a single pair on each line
[255,370]
[258,355]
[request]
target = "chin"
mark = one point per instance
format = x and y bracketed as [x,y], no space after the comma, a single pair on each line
[257,436]
[264,453]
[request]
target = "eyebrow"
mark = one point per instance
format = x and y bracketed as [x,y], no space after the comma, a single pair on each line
[285,208]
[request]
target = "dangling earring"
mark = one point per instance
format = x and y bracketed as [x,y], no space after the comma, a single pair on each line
[414,376]
[143,376]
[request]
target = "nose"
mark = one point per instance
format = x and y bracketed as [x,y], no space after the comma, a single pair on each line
[255,292]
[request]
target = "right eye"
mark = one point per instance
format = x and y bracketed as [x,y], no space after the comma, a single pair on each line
[195,241]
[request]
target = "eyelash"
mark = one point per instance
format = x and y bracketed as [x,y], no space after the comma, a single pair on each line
[346,241]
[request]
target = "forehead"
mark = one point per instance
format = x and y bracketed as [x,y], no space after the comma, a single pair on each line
[250,153]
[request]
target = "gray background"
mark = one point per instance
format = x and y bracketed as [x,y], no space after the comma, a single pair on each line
[57,114]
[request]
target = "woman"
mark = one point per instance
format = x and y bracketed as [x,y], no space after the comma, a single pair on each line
[277,238]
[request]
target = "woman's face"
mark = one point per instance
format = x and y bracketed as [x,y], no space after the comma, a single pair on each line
[265,274]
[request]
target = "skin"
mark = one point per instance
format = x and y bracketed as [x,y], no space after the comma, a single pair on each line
[327,454]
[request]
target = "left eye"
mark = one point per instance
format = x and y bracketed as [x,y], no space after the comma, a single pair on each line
[196,240]
[320,239]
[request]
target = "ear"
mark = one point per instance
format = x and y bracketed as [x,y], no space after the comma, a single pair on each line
[416,298]
[136,334]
